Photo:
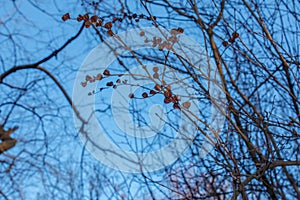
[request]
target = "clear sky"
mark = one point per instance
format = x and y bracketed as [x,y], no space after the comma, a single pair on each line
[52,156]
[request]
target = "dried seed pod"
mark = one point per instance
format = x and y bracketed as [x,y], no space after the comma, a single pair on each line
[168,87]
[142,33]
[167,100]
[155,75]
[79,18]
[87,24]
[155,69]
[186,105]
[157,87]
[176,106]
[145,95]
[110,33]
[180,30]
[231,40]
[99,22]
[98,77]
[225,43]
[106,72]
[65,17]
[86,17]
[168,94]
[94,18]
[88,78]
[235,34]
[83,84]
[152,92]
[108,25]
[109,83]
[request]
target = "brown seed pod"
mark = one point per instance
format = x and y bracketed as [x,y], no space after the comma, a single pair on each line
[99,22]
[155,75]
[87,24]
[83,84]
[86,17]
[155,69]
[168,94]
[225,43]
[235,34]
[79,18]
[176,106]
[94,18]
[231,40]
[110,33]
[131,95]
[168,87]
[180,30]
[152,92]
[145,95]
[108,25]
[98,77]
[88,78]
[186,105]
[157,87]
[65,17]
[106,72]
[142,33]
[109,83]
[167,100]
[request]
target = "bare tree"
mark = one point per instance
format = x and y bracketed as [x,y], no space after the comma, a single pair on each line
[249,73]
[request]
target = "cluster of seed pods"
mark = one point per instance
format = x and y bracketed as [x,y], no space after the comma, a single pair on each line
[234,36]
[98,22]
[157,42]
[159,89]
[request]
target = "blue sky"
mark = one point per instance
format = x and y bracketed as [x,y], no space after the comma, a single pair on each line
[29,33]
